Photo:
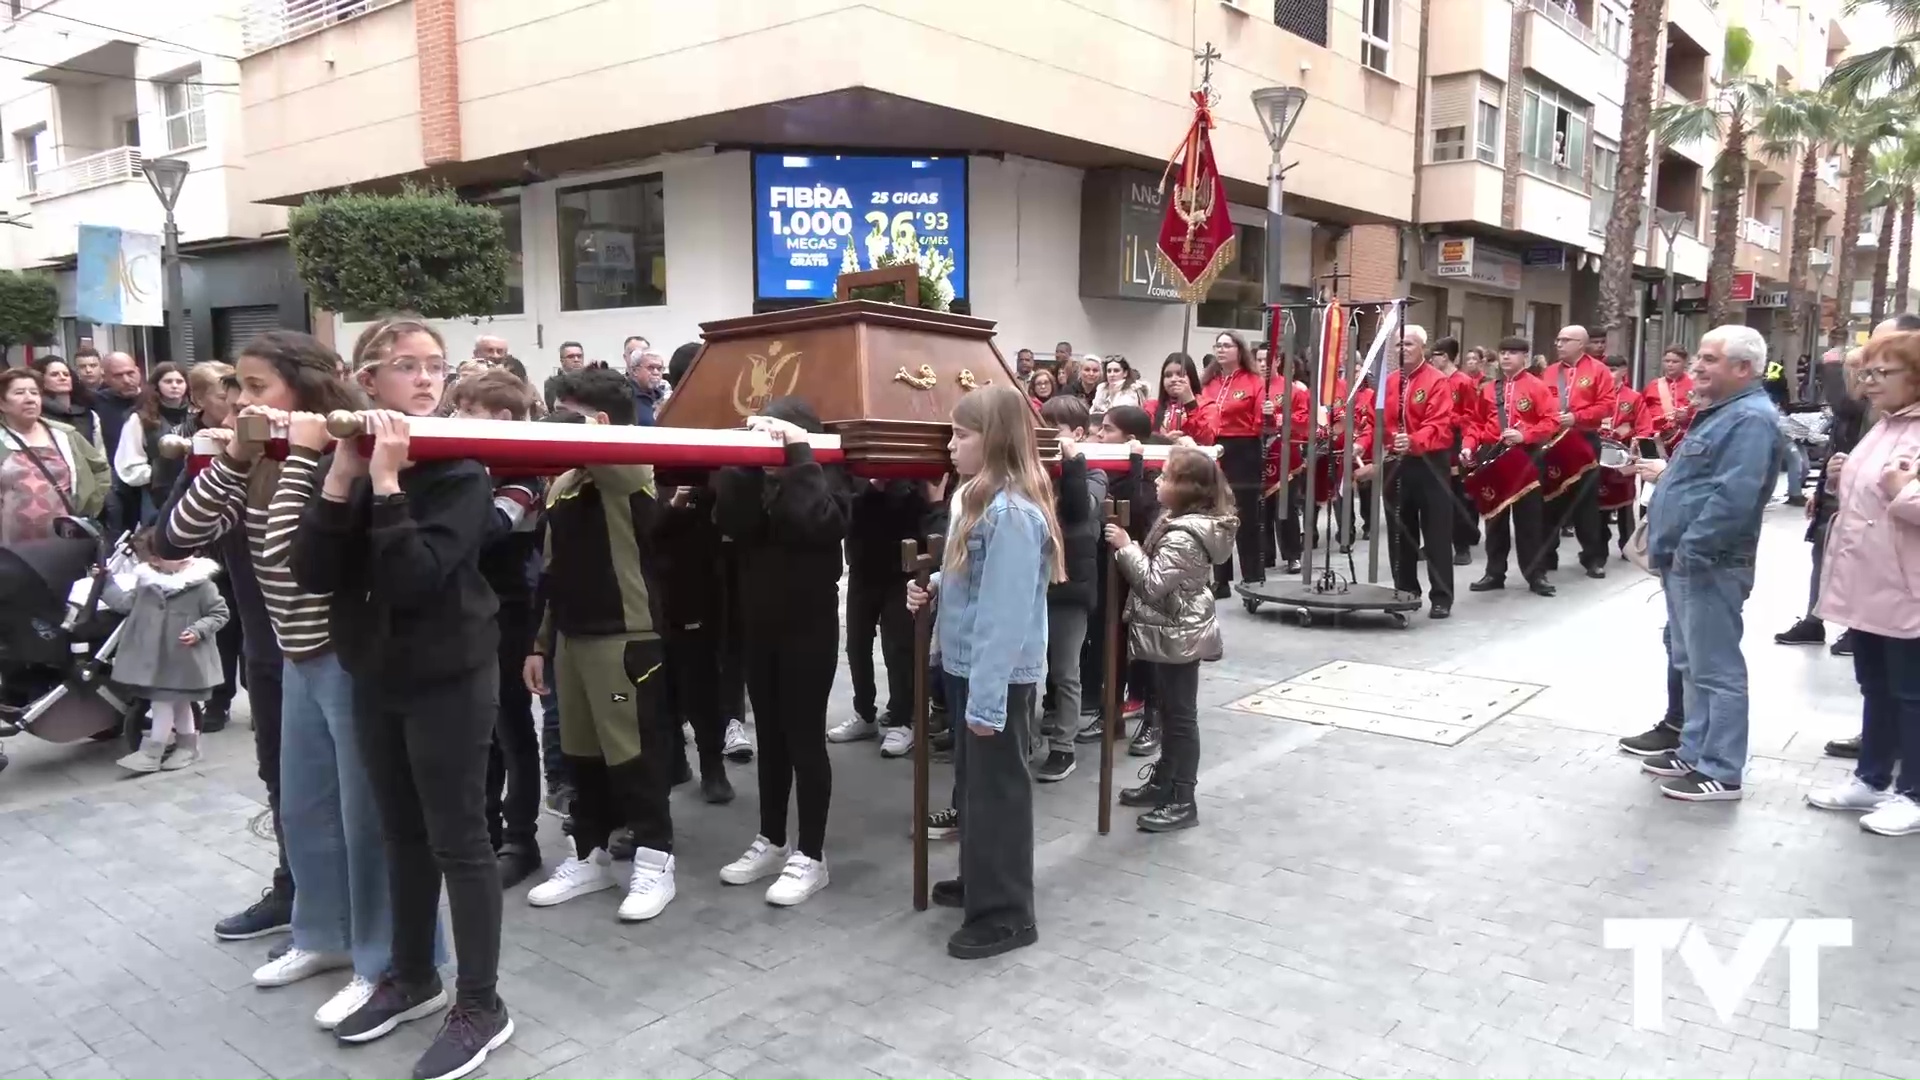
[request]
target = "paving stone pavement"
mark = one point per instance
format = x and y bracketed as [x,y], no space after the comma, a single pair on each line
[1352,904]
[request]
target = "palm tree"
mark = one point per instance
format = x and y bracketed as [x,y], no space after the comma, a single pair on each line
[1893,68]
[1907,171]
[1882,194]
[1647,20]
[1799,124]
[1864,124]
[1727,117]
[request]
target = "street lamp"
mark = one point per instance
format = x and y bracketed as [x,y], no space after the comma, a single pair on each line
[1279,109]
[1669,222]
[168,176]
[1818,262]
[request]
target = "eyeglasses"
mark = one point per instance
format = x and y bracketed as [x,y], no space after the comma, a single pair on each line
[1878,374]
[413,369]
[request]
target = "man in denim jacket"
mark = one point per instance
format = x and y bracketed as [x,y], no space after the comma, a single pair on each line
[1703,529]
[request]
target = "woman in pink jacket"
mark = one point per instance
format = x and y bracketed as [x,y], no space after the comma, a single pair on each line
[1871,585]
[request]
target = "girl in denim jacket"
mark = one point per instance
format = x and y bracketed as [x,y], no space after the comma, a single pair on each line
[1003,550]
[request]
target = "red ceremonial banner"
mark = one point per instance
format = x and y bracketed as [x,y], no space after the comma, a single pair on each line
[1333,351]
[1196,235]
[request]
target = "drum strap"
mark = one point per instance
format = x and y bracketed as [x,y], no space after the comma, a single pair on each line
[1563,387]
[1666,395]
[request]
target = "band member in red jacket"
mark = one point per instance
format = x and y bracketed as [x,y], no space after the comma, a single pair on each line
[1517,409]
[1419,450]
[1445,355]
[1618,489]
[1667,404]
[1177,409]
[1240,408]
[1584,390]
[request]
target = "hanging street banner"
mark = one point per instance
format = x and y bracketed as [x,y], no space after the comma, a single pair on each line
[119,278]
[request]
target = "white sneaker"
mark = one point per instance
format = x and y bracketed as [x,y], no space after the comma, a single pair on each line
[853,730]
[737,746]
[296,964]
[1898,816]
[575,877]
[801,878]
[344,1004]
[897,743]
[1855,794]
[650,888]
[760,860]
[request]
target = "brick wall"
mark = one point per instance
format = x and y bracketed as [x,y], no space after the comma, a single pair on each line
[1373,258]
[437,48]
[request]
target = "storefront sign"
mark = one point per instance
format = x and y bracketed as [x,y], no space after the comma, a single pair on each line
[1545,256]
[1775,299]
[1744,284]
[820,215]
[1455,257]
[1120,214]
[1469,260]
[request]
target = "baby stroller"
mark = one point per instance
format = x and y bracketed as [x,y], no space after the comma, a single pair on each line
[57,642]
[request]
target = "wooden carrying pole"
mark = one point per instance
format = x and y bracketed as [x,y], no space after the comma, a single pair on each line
[920,565]
[1114,513]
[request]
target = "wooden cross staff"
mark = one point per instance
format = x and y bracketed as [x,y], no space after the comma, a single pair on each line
[1111,722]
[921,564]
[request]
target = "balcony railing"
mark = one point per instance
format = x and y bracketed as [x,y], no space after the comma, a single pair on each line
[1754,231]
[273,22]
[1559,174]
[120,163]
[1567,18]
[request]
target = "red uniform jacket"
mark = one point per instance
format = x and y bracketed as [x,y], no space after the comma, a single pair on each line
[1531,408]
[1234,401]
[1662,398]
[1589,391]
[1466,403]
[1626,412]
[1195,421]
[1429,411]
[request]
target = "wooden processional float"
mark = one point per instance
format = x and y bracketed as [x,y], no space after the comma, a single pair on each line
[883,378]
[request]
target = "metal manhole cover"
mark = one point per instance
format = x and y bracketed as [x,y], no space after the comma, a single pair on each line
[1402,702]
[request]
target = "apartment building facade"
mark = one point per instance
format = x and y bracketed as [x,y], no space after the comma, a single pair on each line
[1522,140]
[90,89]
[661,164]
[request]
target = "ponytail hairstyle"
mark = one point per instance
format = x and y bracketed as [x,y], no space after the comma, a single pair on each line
[371,348]
[1010,461]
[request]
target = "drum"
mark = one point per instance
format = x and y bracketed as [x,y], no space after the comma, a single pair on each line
[1618,487]
[1270,472]
[1564,461]
[1501,480]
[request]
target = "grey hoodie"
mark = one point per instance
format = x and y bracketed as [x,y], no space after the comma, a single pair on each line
[1170,588]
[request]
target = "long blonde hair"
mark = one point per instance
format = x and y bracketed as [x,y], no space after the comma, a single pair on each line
[1010,461]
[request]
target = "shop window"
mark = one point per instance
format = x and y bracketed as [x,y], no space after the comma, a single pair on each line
[516,299]
[613,244]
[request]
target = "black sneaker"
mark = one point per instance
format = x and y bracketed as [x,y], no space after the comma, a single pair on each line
[1092,731]
[1842,645]
[1844,748]
[715,787]
[1487,584]
[1699,787]
[1666,764]
[214,718]
[1170,817]
[1462,558]
[943,823]
[469,1035]
[1150,793]
[390,1006]
[271,914]
[949,893]
[1057,767]
[1222,592]
[1146,741]
[1660,739]
[980,940]
[517,863]
[1808,631]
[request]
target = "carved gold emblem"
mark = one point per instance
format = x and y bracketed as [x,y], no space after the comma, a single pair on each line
[761,380]
[926,380]
[968,382]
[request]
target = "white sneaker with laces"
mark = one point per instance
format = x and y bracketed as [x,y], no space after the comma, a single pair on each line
[1855,794]
[650,888]
[1898,816]
[853,729]
[737,746]
[801,878]
[575,877]
[897,743]
[760,860]
[296,964]
[345,1003]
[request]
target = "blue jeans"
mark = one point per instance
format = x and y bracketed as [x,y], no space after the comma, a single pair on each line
[1796,470]
[1703,617]
[1888,670]
[335,846]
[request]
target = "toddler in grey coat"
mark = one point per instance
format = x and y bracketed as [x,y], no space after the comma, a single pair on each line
[167,652]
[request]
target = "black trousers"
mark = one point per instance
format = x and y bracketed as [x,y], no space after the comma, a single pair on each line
[693,681]
[1622,521]
[263,702]
[1580,507]
[227,640]
[1240,461]
[1292,540]
[425,750]
[789,676]
[1520,522]
[1176,690]
[880,604]
[513,762]
[1466,523]
[1420,522]
[995,800]
[618,752]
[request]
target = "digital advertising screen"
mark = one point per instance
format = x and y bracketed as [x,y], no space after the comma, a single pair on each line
[817,216]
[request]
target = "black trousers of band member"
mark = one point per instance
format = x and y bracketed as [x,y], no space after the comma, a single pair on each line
[425,751]
[1292,538]
[1420,523]
[513,765]
[1621,520]
[693,672]
[878,603]
[1580,507]
[1466,523]
[789,676]
[1241,462]
[1522,522]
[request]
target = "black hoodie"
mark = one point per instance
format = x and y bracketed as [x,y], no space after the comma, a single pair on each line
[788,526]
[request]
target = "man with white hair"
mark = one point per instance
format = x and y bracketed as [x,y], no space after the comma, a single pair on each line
[491,348]
[1703,528]
[1419,499]
[647,373]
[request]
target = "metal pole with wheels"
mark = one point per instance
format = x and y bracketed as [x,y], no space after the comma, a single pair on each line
[920,565]
[1113,513]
